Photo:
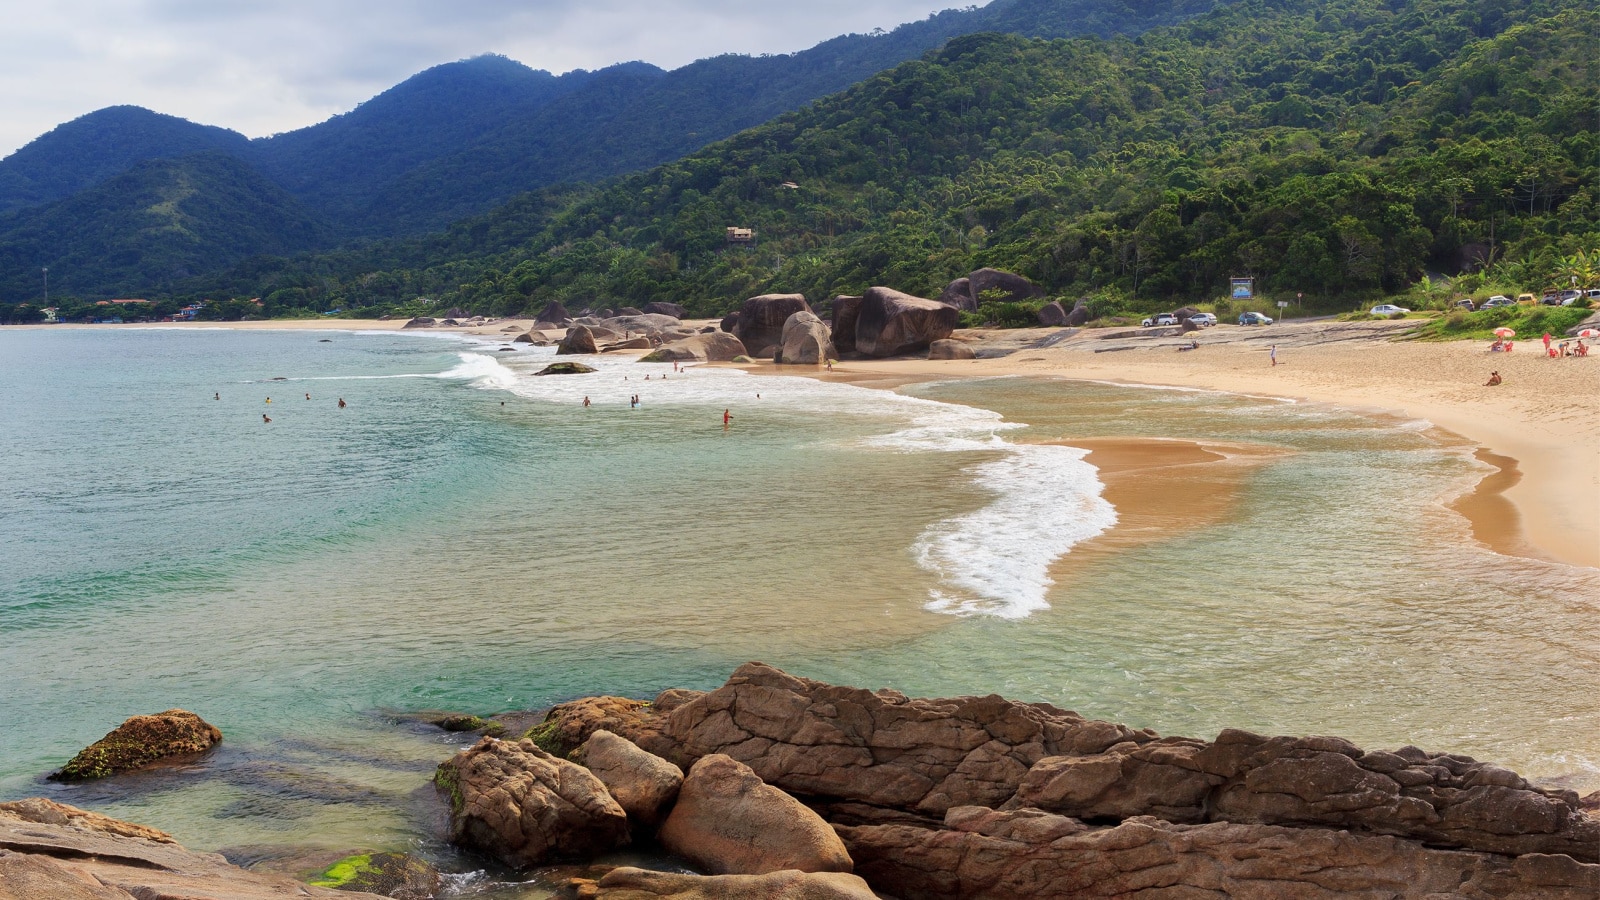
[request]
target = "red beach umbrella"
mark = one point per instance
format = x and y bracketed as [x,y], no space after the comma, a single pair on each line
[1503,332]
[1589,333]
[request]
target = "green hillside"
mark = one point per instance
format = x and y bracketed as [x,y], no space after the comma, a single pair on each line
[1334,149]
[141,233]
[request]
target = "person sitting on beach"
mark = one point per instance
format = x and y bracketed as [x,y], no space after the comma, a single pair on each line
[1581,350]
[1497,346]
[1494,379]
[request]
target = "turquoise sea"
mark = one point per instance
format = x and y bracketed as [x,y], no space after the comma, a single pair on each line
[467,536]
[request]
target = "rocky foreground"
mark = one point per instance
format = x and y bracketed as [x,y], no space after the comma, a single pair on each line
[981,797]
[775,786]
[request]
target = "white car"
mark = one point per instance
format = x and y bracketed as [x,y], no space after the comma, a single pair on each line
[1163,319]
[1388,309]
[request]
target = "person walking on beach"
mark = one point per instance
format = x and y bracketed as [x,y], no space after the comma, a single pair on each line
[341,403]
[1546,340]
[1494,379]
[1274,354]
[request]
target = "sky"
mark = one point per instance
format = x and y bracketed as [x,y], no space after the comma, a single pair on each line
[262,67]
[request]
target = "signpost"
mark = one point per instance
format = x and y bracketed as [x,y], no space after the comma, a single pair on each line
[1282,305]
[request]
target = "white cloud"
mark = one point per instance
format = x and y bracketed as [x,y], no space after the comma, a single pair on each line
[265,66]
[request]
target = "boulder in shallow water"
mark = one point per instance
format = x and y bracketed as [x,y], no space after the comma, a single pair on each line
[567,368]
[399,876]
[139,742]
[523,807]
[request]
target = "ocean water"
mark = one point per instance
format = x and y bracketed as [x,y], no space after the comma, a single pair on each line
[466,535]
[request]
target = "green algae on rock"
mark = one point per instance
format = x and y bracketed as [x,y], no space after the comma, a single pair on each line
[396,875]
[140,741]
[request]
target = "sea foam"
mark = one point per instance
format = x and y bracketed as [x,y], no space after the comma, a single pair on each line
[992,561]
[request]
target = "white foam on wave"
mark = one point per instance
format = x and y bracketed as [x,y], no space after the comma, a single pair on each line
[992,561]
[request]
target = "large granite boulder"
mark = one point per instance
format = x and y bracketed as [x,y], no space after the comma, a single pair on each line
[890,323]
[959,294]
[51,851]
[579,340]
[523,807]
[139,742]
[421,322]
[846,309]
[761,319]
[806,341]
[716,347]
[730,322]
[554,313]
[643,784]
[982,854]
[728,821]
[1079,315]
[1012,286]
[536,338]
[643,323]
[638,343]
[662,308]
[628,883]
[1052,314]
[566,368]
[948,349]
[398,876]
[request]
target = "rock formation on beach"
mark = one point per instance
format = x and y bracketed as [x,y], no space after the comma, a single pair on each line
[889,323]
[759,322]
[982,797]
[139,742]
[1006,287]
[806,341]
[715,347]
[51,851]
[846,309]
[579,340]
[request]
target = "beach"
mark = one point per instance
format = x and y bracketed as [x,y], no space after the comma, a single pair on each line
[1544,419]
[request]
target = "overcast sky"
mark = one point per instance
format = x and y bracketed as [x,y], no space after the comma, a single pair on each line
[266,66]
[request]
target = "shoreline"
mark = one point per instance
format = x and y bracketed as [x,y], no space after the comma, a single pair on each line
[1538,433]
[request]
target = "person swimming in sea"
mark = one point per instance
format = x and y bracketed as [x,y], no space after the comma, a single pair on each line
[341,403]
[216,396]
[264,418]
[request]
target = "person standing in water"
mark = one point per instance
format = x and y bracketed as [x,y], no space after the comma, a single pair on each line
[308,396]
[341,403]
[586,402]
[264,418]
[216,396]
[727,416]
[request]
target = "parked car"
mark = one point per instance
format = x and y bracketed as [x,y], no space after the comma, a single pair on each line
[1204,320]
[1593,294]
[1569,297]
[1498,300]
[1388,309]
[1163,319]
[1254,318]
[1467,305]
[1527,299]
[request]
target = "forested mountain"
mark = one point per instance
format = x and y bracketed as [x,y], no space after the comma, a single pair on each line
[1335,147]
[98,146]
[460,138]
[141,232]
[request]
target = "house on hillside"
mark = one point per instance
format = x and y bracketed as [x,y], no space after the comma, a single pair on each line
[741,237]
